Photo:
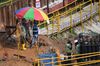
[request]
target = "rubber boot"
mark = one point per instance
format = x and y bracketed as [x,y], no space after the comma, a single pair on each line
[23,47]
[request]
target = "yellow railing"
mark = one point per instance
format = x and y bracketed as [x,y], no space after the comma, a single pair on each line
[6,2]
[56,22]
[73,59]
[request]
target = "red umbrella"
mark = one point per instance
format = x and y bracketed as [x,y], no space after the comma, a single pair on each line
[31,13]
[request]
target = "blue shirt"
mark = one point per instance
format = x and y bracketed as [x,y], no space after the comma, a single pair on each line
[35,30]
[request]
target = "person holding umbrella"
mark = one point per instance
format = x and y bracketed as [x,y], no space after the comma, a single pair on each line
[35,33]
[32,13]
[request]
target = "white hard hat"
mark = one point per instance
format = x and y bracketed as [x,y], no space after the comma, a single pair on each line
[75,41]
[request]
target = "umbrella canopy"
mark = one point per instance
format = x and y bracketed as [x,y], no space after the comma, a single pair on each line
[31,13]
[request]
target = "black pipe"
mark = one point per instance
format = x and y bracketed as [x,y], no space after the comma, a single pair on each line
[47,6]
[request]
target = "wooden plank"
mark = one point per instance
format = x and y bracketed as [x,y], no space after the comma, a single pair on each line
[10,15]
[2,14]
[13,14]
[21,4]
[7,15]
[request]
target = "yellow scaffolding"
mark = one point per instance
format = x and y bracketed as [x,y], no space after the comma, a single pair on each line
[71,24]
[55,20]
[82,25]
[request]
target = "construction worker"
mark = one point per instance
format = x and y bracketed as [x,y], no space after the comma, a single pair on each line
[35,33]
[68,49]
[24,33]
[20,36]
[79,46]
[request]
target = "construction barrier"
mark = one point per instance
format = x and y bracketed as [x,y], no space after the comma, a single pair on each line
[48,55]
[74,60]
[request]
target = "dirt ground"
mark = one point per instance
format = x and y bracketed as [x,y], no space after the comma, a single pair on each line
[28,55]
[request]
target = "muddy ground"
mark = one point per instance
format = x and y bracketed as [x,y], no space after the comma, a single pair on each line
[11,52]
